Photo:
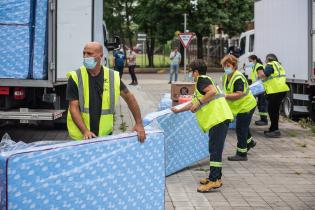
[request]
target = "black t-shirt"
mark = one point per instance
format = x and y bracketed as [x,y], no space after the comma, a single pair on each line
[202,83]
[95,95]
[238,85]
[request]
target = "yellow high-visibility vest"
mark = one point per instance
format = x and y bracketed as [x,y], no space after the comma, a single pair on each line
[111,93]
[276,82]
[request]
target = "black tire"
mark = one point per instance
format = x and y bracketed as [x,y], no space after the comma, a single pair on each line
[287,105]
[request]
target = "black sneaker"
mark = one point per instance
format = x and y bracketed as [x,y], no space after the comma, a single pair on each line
[273,134]
[237,158]
[261,123]
[250,145]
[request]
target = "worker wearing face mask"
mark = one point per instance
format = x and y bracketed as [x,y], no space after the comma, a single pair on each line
[213,115]
[93,91]
[242,104]
[256,65]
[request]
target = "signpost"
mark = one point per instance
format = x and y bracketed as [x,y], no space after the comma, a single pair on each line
[142,38]
[185,39]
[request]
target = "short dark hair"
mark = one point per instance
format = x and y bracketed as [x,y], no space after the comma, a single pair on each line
[271,57]
[199,65]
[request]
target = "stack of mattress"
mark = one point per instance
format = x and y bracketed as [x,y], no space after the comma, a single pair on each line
[114,172]
[23,38]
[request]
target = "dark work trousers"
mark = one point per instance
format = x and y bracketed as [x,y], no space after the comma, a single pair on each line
[133,74]
[242,131]
[274,102]
[217,135]
[262,105]
[120,69]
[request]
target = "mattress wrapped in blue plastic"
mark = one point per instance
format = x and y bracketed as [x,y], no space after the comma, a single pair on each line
[40,41]
[165,102]
[14,51]
[185,143]
[15,11]
[115,172]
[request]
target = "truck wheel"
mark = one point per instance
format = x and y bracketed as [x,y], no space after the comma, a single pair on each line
[312,107]
[287,105]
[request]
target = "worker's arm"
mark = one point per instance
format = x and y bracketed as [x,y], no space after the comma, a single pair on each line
[135,110]
[183,109]
[234,96]
[77,119]
[239,86]
[210,91]
[261,74]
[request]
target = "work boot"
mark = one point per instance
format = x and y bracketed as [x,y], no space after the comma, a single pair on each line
[250,145]
[273,134]
[237,158]
[209,186]
[204,181]
[261,123]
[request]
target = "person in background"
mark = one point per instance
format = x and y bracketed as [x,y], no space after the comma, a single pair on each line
[213,116]
[132,65]
[119,61]
[242,104]
[256,64]
[175,58]
[93,91]
[276,88]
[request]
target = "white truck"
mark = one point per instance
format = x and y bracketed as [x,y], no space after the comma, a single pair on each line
[40,42]
[286,28]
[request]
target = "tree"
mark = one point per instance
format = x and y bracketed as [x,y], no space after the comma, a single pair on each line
[238,12]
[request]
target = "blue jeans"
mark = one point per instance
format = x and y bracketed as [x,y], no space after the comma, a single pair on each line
[174,70]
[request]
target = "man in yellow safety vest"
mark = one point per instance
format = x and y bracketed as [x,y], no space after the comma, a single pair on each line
[93,91]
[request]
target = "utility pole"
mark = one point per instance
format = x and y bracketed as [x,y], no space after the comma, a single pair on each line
[185,29]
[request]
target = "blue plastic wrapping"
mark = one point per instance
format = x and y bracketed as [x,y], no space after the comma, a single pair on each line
[115,172]
[257,88]
[15,51]
[40,41]
[15,11]
[165,102]
[185,143]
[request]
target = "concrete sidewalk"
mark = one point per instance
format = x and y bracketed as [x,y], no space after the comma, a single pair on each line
[280,173]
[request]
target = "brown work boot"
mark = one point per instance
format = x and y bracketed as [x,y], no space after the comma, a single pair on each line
[204,181]
[210,186]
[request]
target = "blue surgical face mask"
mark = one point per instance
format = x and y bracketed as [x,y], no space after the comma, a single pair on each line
[251,64]
[228,70]
[89,62]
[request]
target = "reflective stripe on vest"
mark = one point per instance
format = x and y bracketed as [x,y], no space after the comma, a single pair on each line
[215,111]
[216,164]
[244,104]
[112,94]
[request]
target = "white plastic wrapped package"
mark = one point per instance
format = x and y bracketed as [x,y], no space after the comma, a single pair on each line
[165,102]
[115,172]
[257,88]
[185,143]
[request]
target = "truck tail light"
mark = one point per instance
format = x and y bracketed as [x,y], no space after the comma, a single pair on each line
[19,93]
[4,91]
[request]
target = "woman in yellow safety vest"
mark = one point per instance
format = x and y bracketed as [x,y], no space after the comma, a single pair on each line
[276,89]
[213,115]
[256,64]
[242,104]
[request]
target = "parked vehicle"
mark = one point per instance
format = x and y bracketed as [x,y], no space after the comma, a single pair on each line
[39,44]
[290,35]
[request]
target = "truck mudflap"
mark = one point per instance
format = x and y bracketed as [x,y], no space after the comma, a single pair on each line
[25,114]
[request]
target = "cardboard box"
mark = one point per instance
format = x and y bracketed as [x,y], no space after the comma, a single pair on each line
[181,88]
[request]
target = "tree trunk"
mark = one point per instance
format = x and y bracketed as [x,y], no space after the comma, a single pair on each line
[199,46]
[150,50]
[127,16]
